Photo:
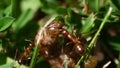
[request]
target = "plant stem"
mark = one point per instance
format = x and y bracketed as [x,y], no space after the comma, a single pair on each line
[80,60]
[90,46]
[34,56]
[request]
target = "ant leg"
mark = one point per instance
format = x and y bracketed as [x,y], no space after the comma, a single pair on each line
[26,53]
[68,43]
[17,55]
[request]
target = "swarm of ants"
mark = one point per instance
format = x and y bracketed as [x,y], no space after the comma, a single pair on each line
[57,45]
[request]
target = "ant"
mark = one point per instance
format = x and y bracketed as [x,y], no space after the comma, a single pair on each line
[47,39]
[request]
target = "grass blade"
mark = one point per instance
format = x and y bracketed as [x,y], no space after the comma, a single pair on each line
[90,46]
[34,56]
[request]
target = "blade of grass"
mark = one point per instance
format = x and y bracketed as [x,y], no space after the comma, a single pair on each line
[100,28]
[23,20]
[118,65]
[89,22]
[90,46]
[11,9]
[32,63]
[97,3]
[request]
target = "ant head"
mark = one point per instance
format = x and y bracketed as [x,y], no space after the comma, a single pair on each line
[78,48]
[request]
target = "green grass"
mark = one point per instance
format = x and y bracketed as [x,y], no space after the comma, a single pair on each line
[97,19]
[93,41]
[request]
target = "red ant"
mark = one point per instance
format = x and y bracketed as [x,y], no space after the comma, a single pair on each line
[47,38]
